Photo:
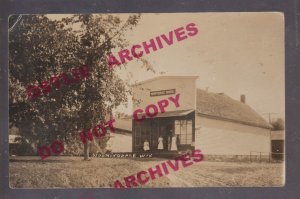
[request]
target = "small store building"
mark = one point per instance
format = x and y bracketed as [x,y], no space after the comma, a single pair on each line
[170,131]
[212,122]
[121,139]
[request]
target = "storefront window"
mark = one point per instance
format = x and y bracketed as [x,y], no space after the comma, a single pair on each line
[138,135]
[184,128]
[142,133]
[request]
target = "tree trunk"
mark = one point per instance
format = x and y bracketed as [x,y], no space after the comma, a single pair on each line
[86,151]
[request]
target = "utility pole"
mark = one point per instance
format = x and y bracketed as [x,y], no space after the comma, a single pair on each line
[270,116]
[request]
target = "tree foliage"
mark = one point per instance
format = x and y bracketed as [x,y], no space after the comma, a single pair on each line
[278,124]
[40,48]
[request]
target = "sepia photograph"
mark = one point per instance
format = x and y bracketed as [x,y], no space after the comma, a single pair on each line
[147,100]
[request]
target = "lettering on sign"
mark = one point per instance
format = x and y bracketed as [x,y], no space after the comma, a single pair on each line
[162,92]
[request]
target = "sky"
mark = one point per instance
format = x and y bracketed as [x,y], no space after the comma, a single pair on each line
[233,53]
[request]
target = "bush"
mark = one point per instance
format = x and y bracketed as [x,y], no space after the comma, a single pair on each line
[278,125]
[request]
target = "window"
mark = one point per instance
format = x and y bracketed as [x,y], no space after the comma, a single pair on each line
[142,133]
[138,135]
[184,128]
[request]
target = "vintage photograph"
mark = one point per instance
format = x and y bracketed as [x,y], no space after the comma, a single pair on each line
[147,100]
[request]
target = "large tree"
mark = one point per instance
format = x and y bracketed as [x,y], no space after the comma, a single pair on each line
[40,48]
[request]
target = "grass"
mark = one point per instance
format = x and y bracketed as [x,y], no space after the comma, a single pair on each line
[73,172]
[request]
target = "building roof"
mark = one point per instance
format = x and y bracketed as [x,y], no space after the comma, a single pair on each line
[220,106]
[124,124]
[167,114]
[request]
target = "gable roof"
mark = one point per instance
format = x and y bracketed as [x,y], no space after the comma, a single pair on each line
[220,106]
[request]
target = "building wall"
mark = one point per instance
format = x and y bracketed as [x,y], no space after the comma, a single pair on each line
[216,137]
[185,86]
[121,142]
[278,135]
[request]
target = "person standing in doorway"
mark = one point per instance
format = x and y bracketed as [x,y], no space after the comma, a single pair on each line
[146,145]
[174,143]
[169,139]
[160,143]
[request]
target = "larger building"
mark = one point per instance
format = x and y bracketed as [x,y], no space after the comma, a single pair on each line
[212,122]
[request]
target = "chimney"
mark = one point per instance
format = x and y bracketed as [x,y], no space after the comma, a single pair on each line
[243,99]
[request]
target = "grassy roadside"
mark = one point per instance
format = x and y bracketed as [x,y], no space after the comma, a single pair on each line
[72,172]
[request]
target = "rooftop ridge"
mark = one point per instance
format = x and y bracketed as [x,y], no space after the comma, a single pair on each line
[224,107]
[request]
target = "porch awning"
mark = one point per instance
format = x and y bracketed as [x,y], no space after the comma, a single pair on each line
[169,114]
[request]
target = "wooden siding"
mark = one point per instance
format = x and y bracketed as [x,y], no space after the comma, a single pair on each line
[216,137]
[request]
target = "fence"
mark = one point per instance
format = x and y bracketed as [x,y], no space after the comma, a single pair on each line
[265,156]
